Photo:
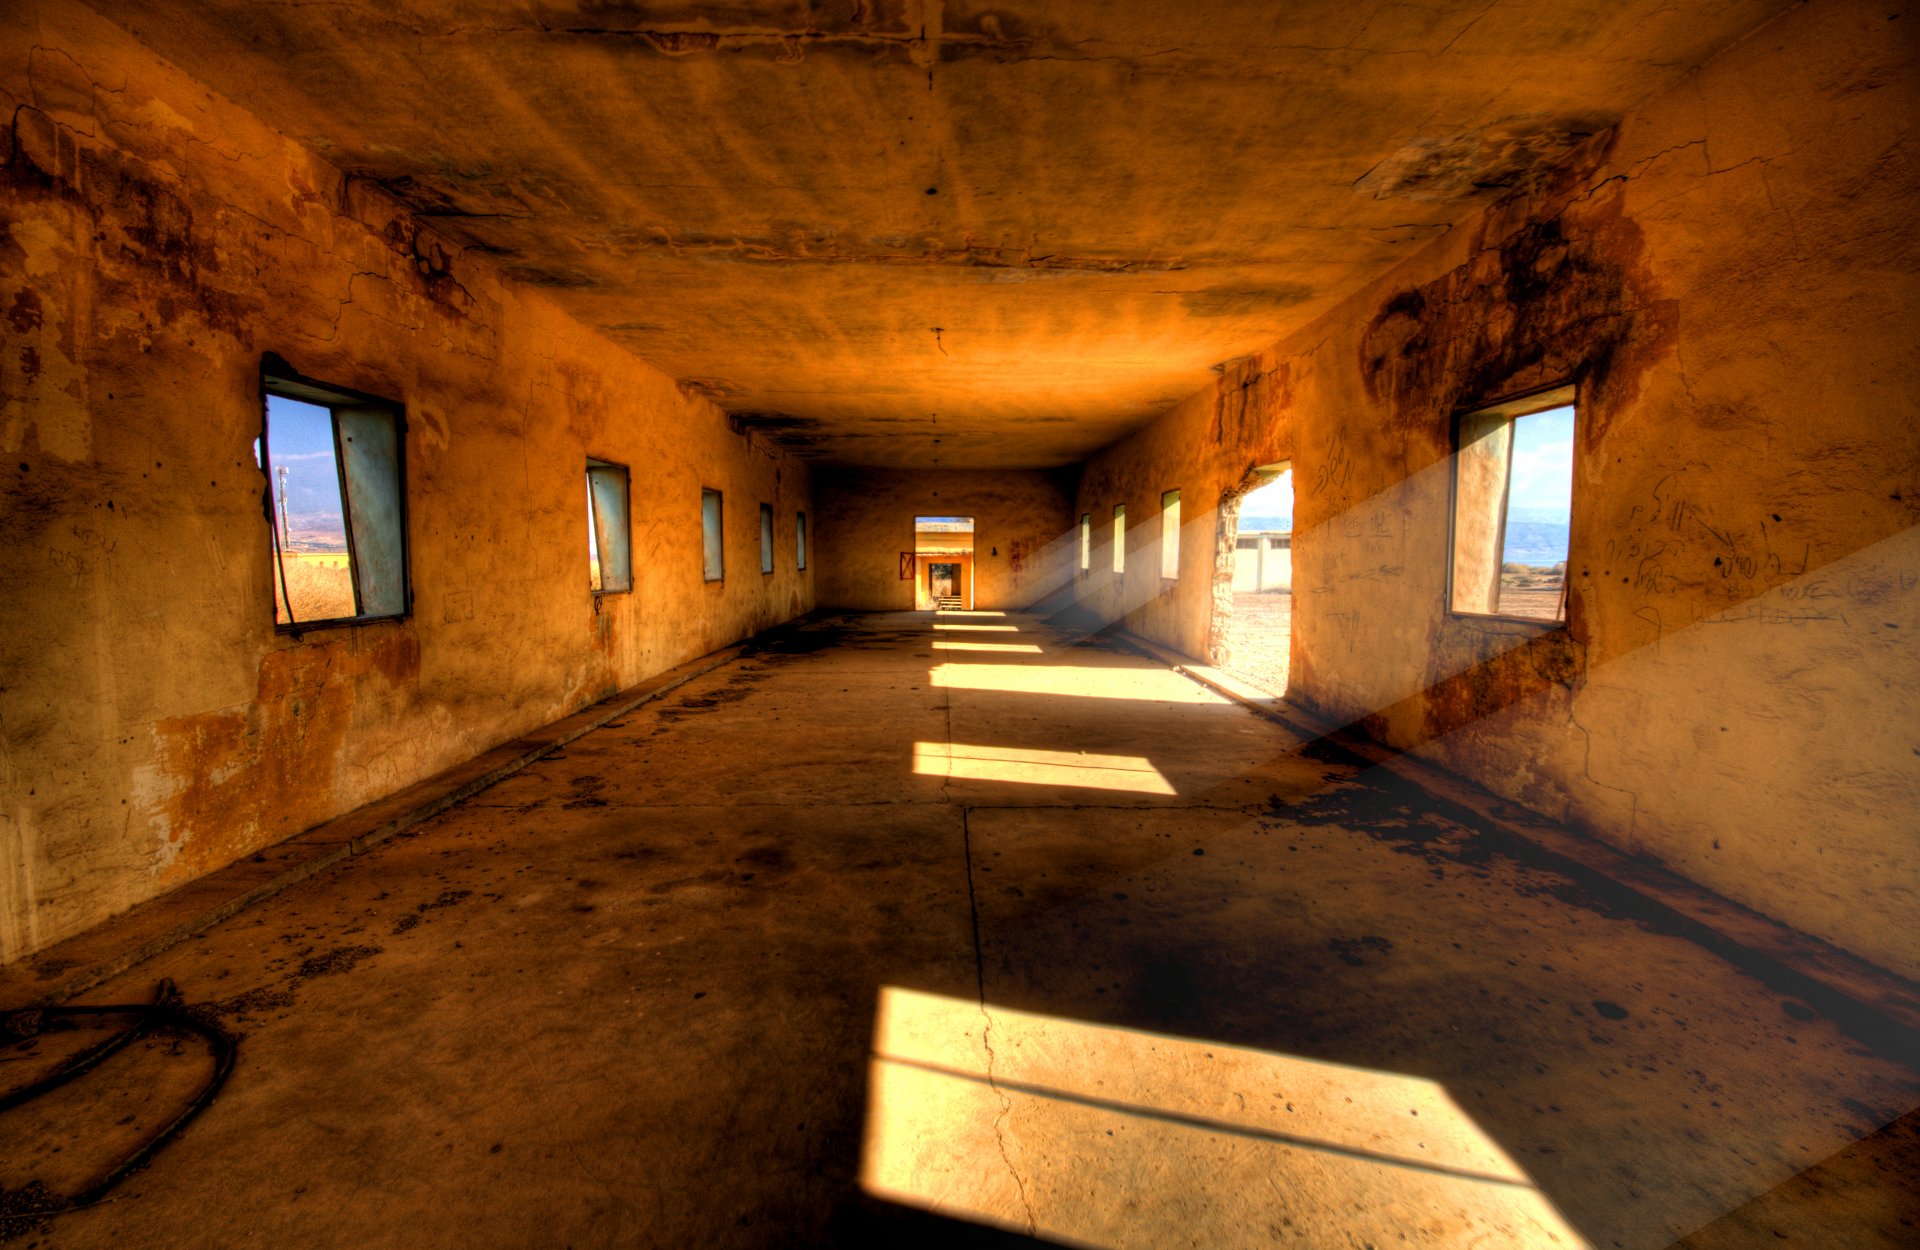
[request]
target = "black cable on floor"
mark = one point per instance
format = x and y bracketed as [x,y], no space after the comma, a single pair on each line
[166,1010]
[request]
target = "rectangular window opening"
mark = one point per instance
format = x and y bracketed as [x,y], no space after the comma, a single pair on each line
[712,536]
[1086,541]
[766,538]
[1513,508]
[800,540]
[335,464]
[1170,535]
[609,529]
[1119,538]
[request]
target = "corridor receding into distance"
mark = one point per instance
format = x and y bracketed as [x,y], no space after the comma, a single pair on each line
[1254,984]
[925,623]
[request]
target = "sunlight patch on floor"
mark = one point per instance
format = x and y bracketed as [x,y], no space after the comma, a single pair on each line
[1005,629]
[1086,770]
[947,644]
[1097,1136]
[1146,685]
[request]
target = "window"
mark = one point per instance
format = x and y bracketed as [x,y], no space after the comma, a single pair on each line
[609,532]
[1170,535]
[799,540]
[712,544]
[766,538]
[335,463]
[1513,508]
[1119,538]
[1086,541]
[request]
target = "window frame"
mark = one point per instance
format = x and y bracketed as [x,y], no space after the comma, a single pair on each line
[1086,543]
[280,379]
[1525,404]
[800,541]
[767,558]
[720,519]
[1120,539]
[626,522]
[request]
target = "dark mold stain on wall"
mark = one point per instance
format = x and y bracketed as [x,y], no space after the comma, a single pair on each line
[150,250]
[1512,154]
[1533,669]
[1565,297]
[1248,399]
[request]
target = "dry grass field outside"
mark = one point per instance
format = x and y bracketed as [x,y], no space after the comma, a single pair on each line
[320,585]
[1532,591]
[1260,639]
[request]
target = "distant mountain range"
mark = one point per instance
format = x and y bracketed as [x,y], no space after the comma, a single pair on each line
[1534,535]
[1535,542]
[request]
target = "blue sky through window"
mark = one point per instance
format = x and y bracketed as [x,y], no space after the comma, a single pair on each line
[1540,493]
[1543,464]
[1270,507]
[300,440]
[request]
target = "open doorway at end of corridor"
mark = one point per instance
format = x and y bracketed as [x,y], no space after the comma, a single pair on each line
[1252,634]
[942,564]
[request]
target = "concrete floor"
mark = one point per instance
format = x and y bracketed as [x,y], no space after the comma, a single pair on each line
[963,913]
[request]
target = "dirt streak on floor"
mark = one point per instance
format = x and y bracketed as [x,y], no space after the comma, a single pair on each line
[650,991]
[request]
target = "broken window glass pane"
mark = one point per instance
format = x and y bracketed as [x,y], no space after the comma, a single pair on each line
[369,442]
[712,544]
[609,534]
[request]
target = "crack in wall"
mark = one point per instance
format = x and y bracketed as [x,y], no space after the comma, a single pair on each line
[1627,836]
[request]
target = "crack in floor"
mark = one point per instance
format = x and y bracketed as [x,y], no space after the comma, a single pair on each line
[986,1017]
[986,1035]
[999,1121]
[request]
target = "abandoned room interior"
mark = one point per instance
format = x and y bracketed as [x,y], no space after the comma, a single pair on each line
[929,623]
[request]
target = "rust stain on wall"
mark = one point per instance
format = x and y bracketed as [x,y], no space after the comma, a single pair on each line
[247,778]
[24,314]
[429,261]
[148,251]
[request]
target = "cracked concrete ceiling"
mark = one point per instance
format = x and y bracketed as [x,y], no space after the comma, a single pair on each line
[1042,221]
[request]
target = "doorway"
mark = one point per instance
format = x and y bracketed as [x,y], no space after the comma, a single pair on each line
[942,563]
[1252,634]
